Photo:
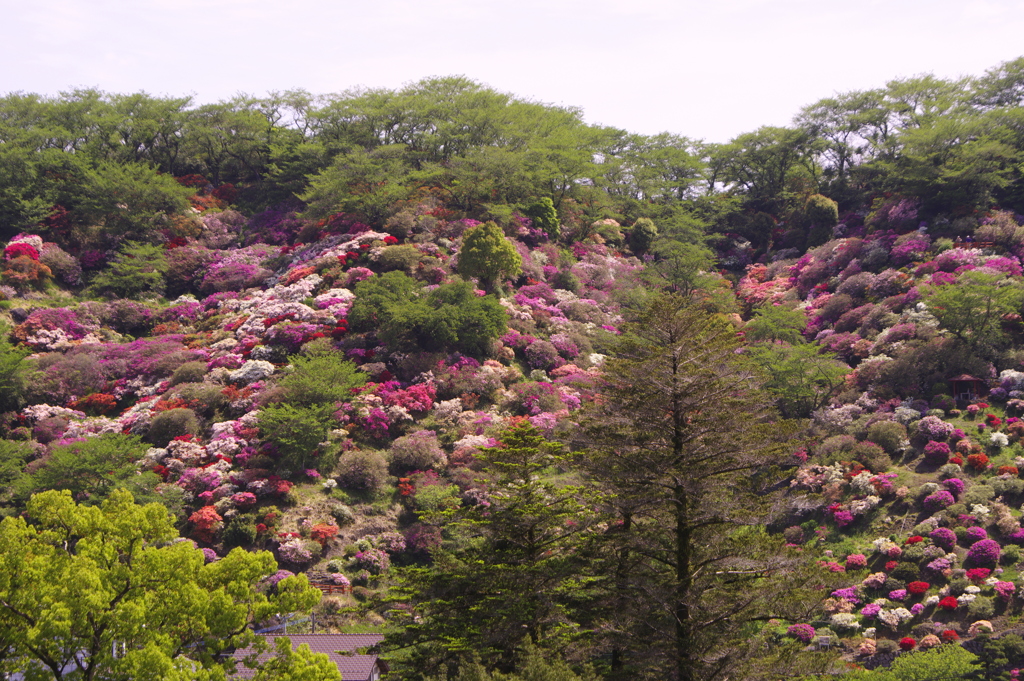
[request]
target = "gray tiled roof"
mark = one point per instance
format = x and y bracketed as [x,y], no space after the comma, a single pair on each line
[339,647]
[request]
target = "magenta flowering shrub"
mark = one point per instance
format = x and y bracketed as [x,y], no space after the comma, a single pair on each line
[856,561]
[801,632]
[1005,265]
[890,283]
[984,552]
[936,453]
[909,250]
[870,610]
[1004,590]
[943,537]
[936,501]
[955,258]
[543,355]
[975,534]
[955,486]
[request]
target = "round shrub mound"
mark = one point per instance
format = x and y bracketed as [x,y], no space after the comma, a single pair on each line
[362,470]
[889,435]
[170,424]
[984,552]
[417,451]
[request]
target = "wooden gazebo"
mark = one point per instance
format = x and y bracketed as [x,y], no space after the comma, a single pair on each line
[966,387]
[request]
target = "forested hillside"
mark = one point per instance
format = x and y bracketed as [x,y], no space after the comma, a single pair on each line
[533,397]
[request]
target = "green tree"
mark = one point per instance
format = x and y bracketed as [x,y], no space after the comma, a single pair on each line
[821,215]
[543,213]
[106,592]
[777,323]
[642,235]
[973,308]
[407,318]
[509,572]
[487,255]
[799,377]
[137,269]
[92,468]
[12,387]
[682,445]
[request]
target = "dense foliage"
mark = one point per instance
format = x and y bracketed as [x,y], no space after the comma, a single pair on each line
[542,399]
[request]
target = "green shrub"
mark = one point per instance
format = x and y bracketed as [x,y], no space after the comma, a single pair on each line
[889,435]
[978,494]
[886,645]
[239,531]
[981,608]
[417,451]
[362,470]
[1010,555]
[872,456]
[189,372]
[906,571]
[170,424]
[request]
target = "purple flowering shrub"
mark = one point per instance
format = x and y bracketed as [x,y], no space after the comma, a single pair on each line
[943,537]
[984,552]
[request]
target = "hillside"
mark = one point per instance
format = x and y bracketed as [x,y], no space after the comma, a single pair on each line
[499,374]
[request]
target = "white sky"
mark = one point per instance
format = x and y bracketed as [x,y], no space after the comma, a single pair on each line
[708,70]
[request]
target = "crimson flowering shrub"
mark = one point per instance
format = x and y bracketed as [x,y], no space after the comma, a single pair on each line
[978,575]
[950,636]
[323,533]
[918,588]
[949,603]
[907,643]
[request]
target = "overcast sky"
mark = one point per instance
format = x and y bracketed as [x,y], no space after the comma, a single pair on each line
[709,70]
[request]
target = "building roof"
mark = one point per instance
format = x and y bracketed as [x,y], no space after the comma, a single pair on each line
[340,648]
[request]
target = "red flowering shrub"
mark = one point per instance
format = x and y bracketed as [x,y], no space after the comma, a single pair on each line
[978,462]
[914,540]
[96,404]
[918,588]
[1009,470]
[907,643]
[19,249]
[978,575]
[23,272]
[323,533]
[891,565]
[206,521]
[949,636]
[949,603]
